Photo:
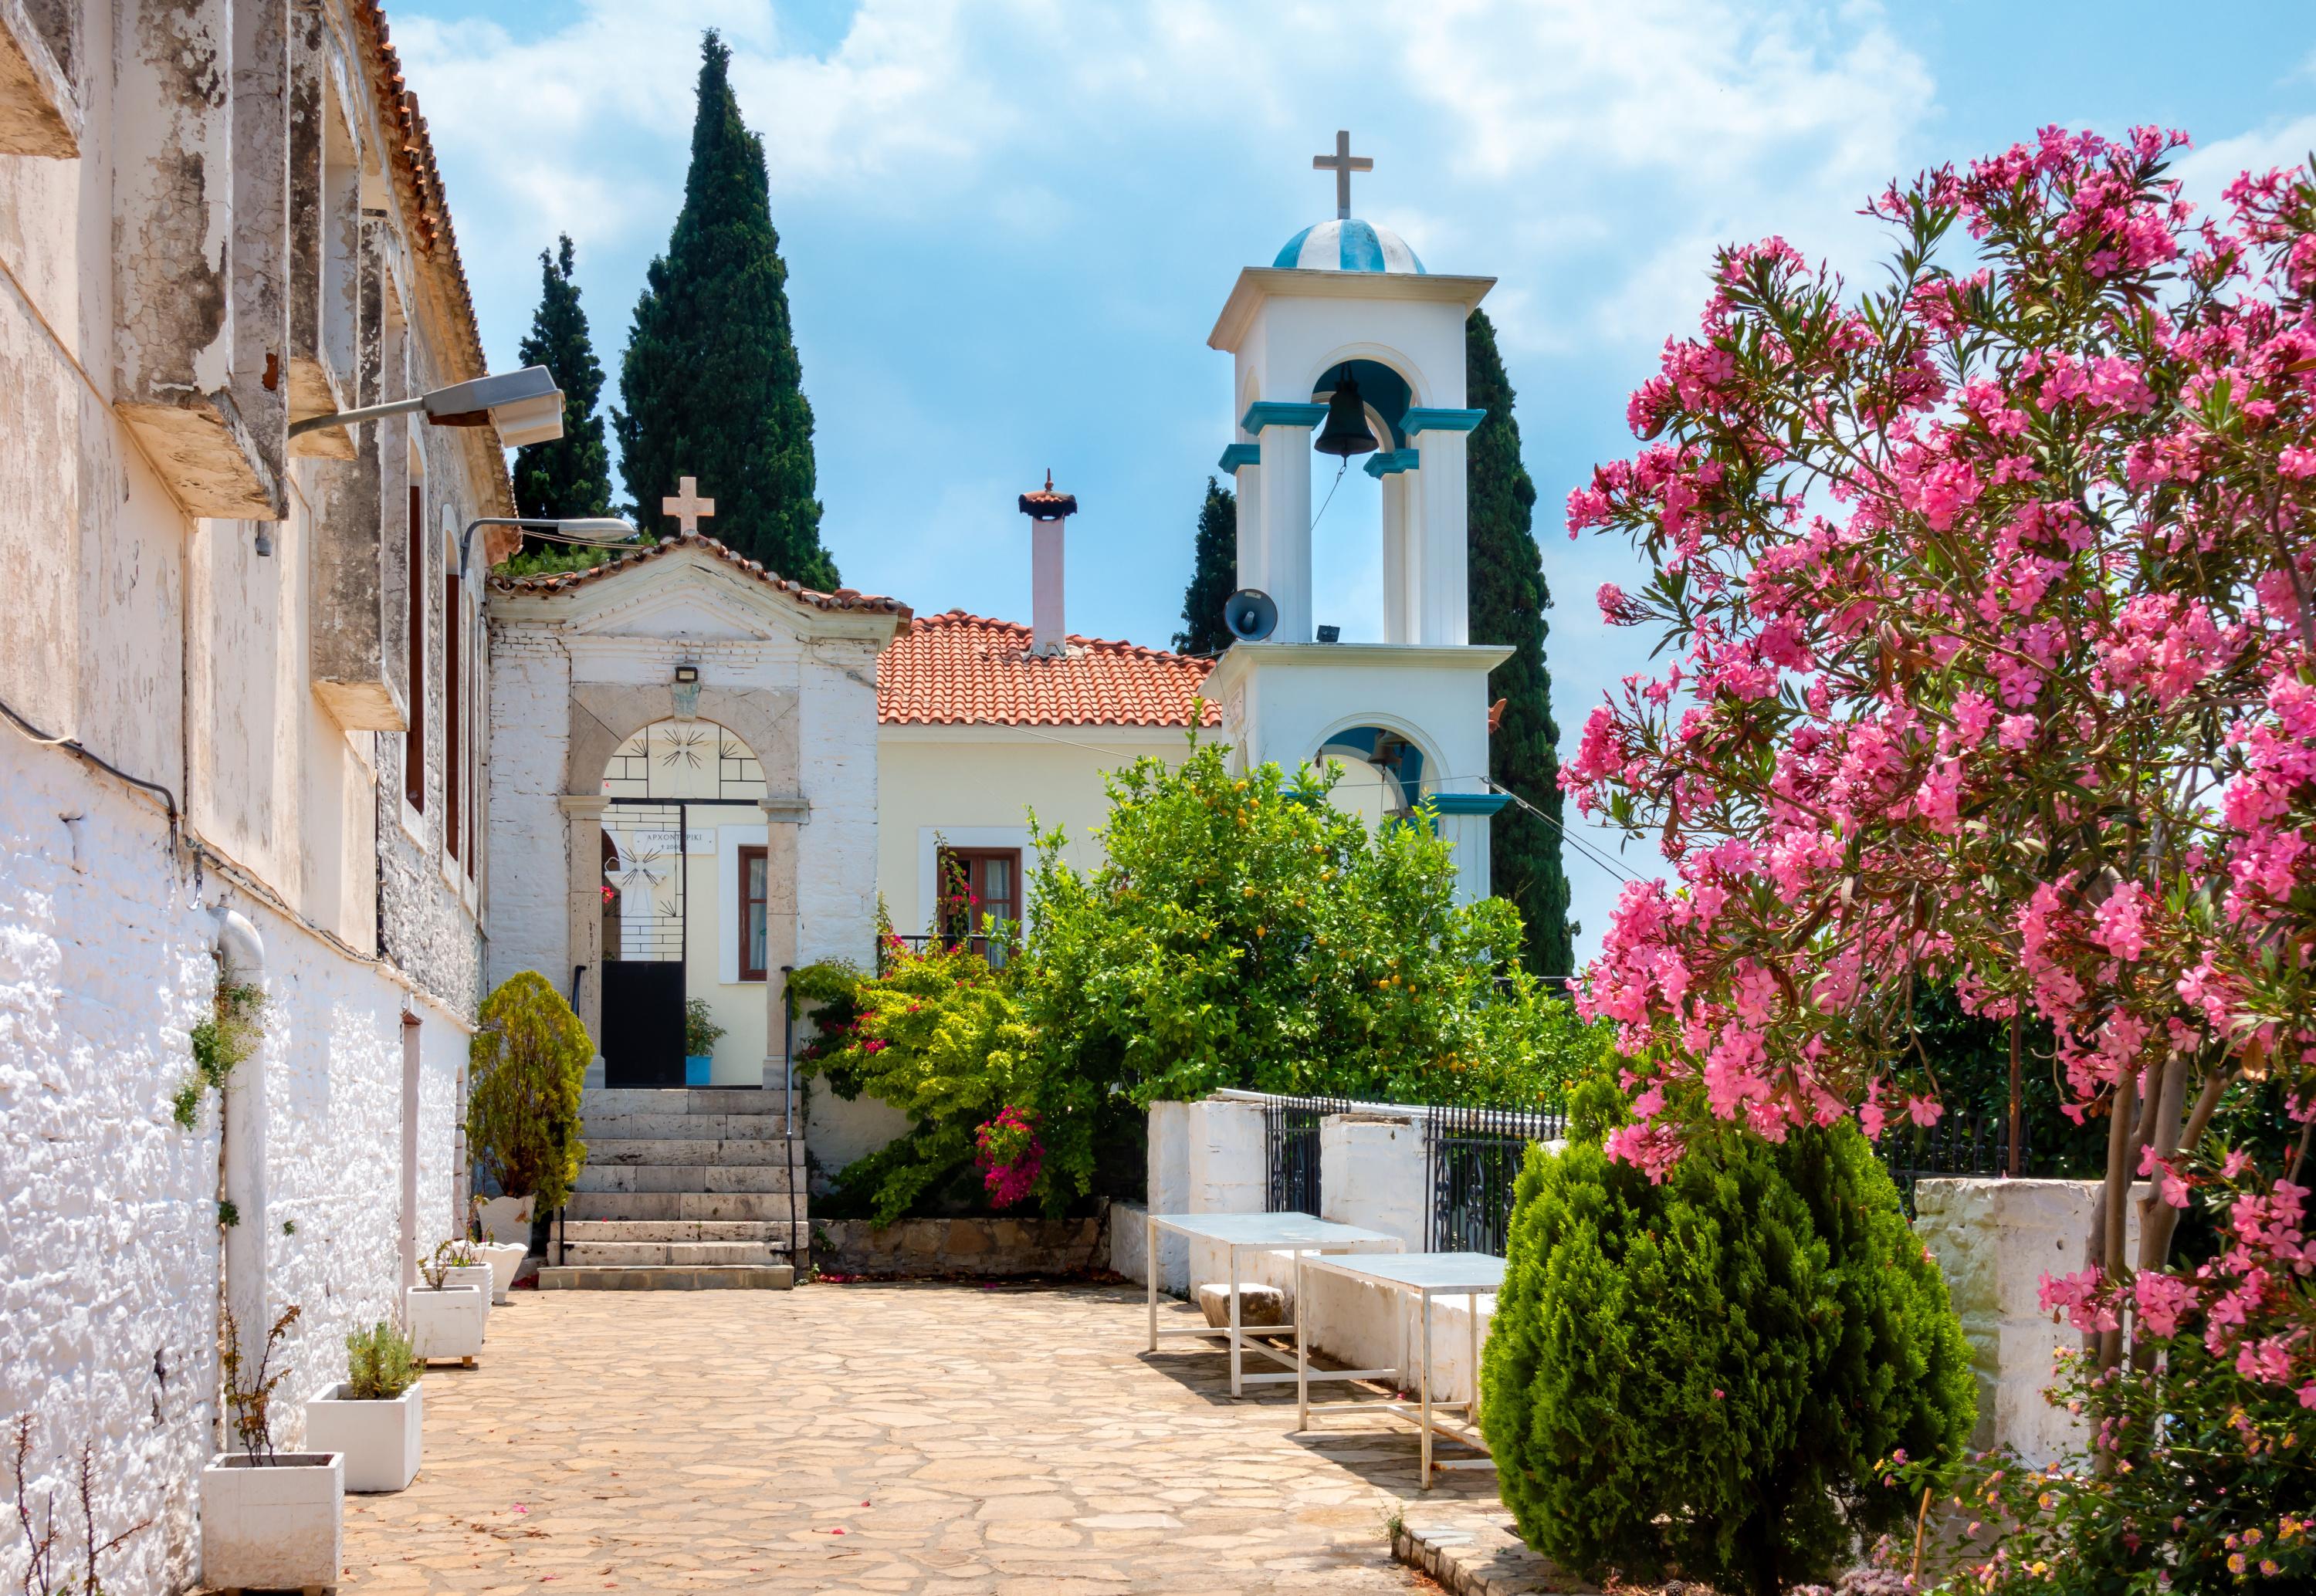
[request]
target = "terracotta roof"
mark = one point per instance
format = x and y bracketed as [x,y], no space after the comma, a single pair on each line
[967,670]
[812,598]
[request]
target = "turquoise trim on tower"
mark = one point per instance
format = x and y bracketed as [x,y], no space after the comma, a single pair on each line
[1478,803]
[1291,256]
[1444,420]
[1383,463]
[1274,412]
[1238,454]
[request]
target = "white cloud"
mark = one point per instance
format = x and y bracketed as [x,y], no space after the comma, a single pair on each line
[2206,173]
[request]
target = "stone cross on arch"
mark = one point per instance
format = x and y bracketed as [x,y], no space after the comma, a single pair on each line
[687,506]
[1342,163]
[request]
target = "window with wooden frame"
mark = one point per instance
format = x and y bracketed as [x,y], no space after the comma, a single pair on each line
[755,882]
[414,737]
[454,725]
[976,883]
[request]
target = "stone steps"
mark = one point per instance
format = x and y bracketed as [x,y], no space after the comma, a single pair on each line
[607,1151]
[683,1190]
[610,1254]
[683,1205]
[673,1230]
[663,1277]
[686,1177]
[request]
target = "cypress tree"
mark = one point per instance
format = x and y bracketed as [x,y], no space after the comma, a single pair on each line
[1213,575]
[1508,600]
[571,476]
[711,387]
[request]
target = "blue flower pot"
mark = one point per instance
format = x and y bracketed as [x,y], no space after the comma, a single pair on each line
[696,1069]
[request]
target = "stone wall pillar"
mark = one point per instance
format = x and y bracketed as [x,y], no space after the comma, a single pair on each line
[782,816]
[1169,1190]
[1372,1175]
[1995,1240]
[1228,1174]
[583,816]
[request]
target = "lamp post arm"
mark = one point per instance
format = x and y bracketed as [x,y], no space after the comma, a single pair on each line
[546,526]
[347,418]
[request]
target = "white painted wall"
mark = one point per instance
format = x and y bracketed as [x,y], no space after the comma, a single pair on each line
[1167,1192]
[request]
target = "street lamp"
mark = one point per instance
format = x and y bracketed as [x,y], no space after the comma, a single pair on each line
[525,406]
[580,531]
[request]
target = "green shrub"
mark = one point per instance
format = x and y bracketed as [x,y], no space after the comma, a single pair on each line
[525,1067]
[1700,1376]
[235,1027]
[379,1363]
[700,1031]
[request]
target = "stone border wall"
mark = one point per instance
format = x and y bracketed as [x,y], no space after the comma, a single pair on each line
[933,1249]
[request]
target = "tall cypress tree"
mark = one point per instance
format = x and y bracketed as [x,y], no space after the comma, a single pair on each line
[571,476]
[1213,575]
[1508,600]
[711,387]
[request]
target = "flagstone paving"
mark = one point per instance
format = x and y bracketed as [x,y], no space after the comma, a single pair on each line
[948,1439]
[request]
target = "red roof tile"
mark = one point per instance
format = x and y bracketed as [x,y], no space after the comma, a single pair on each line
[967,670]
[564,580]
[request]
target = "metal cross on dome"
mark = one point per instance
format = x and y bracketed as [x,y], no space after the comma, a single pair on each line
[1342,163]
[687,506]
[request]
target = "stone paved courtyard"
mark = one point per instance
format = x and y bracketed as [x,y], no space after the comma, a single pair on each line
[878,1437]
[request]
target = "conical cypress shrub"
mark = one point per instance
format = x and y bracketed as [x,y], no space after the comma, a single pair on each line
[711,387]
[1697,1378]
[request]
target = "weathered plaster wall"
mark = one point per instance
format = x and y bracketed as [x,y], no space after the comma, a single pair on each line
[530,696]
[836,850]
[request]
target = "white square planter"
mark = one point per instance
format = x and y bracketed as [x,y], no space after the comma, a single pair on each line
[448,1323]
[504,1259]
[480,1277]
[272,1527]
[379,1440]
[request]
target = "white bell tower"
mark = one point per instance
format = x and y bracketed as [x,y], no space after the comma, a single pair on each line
[1346,299]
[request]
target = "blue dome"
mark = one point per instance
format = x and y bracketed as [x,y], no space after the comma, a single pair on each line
[1351,245]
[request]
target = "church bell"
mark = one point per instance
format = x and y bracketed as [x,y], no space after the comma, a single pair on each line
[1346,432]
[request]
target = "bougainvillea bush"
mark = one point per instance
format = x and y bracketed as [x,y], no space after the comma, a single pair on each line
[1993,662]
[1699,1375]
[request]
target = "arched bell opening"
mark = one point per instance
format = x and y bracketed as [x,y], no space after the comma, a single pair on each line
[1359,537]
[1382,771]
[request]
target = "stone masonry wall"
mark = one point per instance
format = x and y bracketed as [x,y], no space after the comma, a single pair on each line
[935,1248]
[109,1321]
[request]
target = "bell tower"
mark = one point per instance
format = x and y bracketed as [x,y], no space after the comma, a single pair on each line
[1346,319]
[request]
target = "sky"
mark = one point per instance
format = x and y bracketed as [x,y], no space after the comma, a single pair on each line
[1010,224]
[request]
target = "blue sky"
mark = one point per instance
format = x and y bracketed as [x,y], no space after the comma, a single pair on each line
[1010,224]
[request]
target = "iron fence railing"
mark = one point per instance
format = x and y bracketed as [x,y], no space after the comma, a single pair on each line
[995,950]
[1290,1144]
[1958,1144]
[1474,1157]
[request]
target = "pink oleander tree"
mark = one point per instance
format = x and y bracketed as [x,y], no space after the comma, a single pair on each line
[1991,646]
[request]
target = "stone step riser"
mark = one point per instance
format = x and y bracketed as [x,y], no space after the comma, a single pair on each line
[763,1230]
[777,1277]
[629,1255]
[610,1151]
[694,1100]
[685,1177]
[682,1127]
[683,1205]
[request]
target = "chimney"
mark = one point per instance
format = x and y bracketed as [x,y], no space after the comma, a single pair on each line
[1047,510]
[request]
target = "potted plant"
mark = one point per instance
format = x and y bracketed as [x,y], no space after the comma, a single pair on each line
[373,1416]
[270,1519]
[700,1035]
[524,1070]
[445,1316]
[466,1267]
[505,1257]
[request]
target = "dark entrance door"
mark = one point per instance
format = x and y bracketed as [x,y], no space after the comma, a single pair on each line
[643,1023]
[644,944]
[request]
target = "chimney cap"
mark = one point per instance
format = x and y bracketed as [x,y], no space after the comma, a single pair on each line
[1046,505]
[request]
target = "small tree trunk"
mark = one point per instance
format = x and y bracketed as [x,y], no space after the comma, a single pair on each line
[2111,1196]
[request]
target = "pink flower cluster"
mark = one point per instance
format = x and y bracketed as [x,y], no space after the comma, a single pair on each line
[1008,1155]
[1995,655]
